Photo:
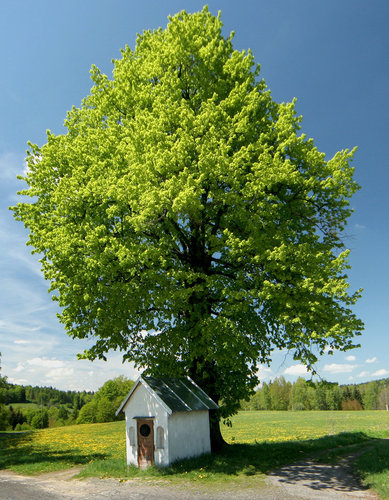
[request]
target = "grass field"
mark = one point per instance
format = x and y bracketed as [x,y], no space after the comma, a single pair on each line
[278,426]
[259,442]
[25,406]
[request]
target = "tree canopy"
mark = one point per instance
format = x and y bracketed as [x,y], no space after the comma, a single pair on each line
[102,408]
[183,219]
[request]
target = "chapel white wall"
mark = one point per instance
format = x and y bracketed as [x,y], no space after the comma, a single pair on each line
[189,434]
[143,404]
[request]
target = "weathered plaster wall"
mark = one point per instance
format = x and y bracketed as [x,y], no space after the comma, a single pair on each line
[142,404]
[188,434]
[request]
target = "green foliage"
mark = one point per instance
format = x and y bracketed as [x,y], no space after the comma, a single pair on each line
[279,394]
[105,410]
[40,419]
[185,220]
[53,416]
[370,396]
[106,401]
[115,389]
[383,399]
[15,417]
[304,395]
[87,413]
[42,395]
[63,412]
[3,417]
[46,408]
[94,408]
[334,397]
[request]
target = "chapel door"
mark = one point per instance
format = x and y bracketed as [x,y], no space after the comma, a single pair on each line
[145,442]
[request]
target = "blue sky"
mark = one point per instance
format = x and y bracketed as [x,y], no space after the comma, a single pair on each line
[333,56]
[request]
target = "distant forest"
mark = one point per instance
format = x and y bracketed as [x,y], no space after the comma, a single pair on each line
[27,407]
[304,395]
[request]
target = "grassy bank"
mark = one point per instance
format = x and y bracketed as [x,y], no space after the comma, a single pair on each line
[373,468]
[260,441]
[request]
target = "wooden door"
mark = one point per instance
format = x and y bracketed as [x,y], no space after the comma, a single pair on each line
[145,442]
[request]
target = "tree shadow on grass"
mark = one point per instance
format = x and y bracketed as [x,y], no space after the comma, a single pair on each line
[261,458]
[16,449]
[343,474]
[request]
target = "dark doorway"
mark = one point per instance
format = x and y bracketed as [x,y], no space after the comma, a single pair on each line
[145,433]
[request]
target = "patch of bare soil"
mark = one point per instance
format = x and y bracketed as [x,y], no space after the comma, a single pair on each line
[61,475]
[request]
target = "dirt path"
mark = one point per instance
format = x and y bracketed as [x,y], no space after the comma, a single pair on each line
[311,480]
[306,480]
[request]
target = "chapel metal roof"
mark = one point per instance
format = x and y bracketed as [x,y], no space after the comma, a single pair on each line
[181,394]
[178,394]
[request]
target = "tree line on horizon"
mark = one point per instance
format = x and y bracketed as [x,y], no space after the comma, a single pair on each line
[307,395]
[25,407]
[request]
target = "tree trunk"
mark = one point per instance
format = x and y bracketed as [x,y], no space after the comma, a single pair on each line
[206,379]
[217,440]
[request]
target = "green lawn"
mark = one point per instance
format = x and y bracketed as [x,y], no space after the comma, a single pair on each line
[259,442]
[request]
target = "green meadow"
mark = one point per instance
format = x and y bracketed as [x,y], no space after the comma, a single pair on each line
[259,442]
[24,406]
[279,426]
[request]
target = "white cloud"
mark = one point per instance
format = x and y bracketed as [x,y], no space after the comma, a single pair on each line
[264,372]
[59,373]
[363,374]
[381,373]
[18,381]
[297,370]
[350,358]
[69,374]
[22,342]
[12,164]
[29,262]
[371,360]
[339,368]
[45,363]
[13,327]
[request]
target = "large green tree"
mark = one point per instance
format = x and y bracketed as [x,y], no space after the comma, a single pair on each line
[183,219]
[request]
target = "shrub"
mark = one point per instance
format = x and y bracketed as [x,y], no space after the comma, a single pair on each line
[351,404]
